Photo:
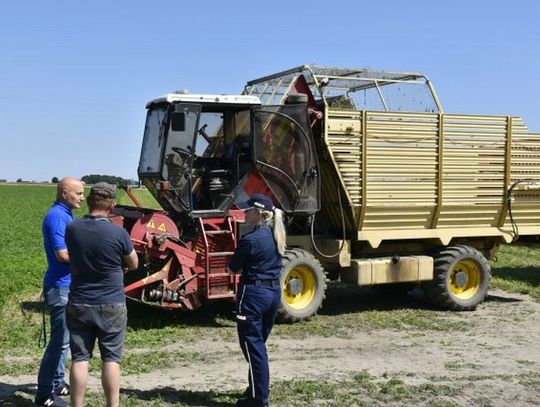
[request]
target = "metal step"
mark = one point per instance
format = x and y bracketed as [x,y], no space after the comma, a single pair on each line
[217,232]
[215,254]
[216,275]
[216,296]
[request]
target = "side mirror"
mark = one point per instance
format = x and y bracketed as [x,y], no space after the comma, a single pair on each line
[178,121]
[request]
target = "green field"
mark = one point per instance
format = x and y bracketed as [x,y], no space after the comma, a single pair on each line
[22,263]
[22,208]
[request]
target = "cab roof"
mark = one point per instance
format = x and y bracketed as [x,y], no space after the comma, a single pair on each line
[199,98]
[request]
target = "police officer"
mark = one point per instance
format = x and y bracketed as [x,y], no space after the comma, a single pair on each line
[258,259]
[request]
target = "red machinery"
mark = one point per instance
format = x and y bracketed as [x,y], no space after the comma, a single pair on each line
[178,273]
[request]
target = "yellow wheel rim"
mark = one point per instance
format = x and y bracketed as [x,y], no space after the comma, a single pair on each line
[464,279]
[299,287]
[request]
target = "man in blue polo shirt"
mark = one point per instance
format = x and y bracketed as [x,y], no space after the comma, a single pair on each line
[51,384]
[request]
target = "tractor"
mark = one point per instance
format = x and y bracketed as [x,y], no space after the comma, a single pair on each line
[380,188]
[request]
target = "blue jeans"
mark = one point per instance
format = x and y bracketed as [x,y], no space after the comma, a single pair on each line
[53,364]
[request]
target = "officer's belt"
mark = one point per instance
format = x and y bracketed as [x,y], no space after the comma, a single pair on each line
[261,283]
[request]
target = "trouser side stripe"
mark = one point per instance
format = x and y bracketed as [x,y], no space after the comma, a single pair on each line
[250,371]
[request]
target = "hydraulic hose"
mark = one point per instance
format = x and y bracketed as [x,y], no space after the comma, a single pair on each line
[515,229]
[329,256]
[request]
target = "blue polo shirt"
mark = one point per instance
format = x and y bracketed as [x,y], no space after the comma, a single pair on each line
[54,229]
[257,256]
[96,253]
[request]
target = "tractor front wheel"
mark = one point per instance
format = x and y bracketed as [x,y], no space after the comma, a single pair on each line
[303,286]
[460,279]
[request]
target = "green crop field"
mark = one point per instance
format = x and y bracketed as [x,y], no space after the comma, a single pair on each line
[22,208]
[22,264]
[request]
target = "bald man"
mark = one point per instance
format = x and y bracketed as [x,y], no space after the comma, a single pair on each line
[51,383]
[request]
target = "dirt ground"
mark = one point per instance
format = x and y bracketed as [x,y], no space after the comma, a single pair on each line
[487,361]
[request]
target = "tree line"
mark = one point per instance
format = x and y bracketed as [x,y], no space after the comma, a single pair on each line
[95,178]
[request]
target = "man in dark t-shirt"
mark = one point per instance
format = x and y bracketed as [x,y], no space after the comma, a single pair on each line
[98,250]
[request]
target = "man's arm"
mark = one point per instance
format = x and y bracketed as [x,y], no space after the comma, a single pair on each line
[62,255]
[131,261]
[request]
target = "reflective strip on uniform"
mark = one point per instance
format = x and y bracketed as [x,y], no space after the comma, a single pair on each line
[252,384]
[241,299]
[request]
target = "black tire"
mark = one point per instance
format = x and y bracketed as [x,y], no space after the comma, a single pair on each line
[460,279]
[303,284]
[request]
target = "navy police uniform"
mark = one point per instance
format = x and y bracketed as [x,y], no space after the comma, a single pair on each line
[258,300]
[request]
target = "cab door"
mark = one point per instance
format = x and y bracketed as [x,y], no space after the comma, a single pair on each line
[285,156]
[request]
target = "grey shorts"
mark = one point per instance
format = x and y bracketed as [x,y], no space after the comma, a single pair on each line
[104,322]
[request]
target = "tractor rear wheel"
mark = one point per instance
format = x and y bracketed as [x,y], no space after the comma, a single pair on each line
[303,285]
[460,279]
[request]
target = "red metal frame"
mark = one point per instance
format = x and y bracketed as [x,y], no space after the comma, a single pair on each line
[182,274]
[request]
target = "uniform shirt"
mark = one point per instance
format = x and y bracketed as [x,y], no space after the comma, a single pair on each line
[96,250]
[257,256]
[54,229]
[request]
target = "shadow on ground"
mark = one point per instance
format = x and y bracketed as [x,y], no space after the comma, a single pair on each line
[340,299]
[214,315]
[344,298]
[530,275]
[184,397]
[498,298]
[31,306]
[17,395]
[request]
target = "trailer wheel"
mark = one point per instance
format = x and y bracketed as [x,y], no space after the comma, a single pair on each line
[460,279]
[303,286]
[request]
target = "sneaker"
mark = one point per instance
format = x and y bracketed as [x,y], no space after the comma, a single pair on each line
[51,401]
[62,390]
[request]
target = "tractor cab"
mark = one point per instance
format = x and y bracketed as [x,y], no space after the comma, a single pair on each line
[203,153]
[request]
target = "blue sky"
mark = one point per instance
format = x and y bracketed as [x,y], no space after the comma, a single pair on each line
[75,76]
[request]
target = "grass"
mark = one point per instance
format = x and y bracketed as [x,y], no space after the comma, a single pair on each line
[142,195]
[21,245]
[22,208]
[360,389]
[517,269]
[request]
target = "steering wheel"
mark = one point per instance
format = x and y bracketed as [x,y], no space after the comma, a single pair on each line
[181,151]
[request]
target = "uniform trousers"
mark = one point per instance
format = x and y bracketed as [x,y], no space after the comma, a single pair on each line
[257,307]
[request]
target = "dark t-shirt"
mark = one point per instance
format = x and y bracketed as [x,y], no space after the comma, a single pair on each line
[257,256]
[96,252]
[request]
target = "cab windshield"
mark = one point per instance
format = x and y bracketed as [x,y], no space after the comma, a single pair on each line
[201,151]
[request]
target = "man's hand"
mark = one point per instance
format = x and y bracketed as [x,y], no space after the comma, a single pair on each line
[62,255]
[131,261]
[234,272]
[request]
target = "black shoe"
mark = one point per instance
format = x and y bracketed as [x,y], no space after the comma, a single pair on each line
[62,390]
[51,401]
[250,402]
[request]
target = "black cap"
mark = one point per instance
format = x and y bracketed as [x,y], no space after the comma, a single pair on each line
[258,201]
[103,190]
